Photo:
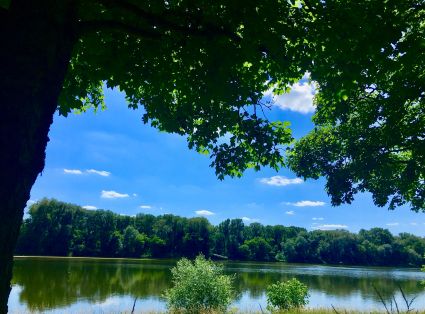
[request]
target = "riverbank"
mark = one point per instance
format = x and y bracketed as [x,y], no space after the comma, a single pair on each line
[264,311]
[173,260]
[91,285]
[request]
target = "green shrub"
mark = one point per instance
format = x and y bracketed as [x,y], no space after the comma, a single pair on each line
[287,295]
[199,286]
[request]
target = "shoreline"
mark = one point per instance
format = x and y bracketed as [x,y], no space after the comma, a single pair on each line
[218,261]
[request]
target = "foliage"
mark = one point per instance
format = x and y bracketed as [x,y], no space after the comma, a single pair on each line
[206,79]
[198,70]
[202,69]
[370,120]
[257,249]
[57,228]
[199,286]
[134,242]
[287,295]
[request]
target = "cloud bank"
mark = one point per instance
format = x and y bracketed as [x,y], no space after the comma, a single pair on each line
[102,173]
[203,212]
[330,227]
[280,181]
[299,99]
[89,207]
[72,171]
[112,194]
[306,203]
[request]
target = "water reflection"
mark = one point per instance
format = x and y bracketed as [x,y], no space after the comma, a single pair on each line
[51,283]
[47,284]
[333,281]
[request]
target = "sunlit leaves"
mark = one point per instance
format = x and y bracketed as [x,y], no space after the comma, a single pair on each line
[370,119]
[201,77]
[201,70]
[199,286]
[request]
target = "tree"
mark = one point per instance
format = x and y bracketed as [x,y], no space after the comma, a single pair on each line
[198,70]
[370,118]
[133,242]
[58,228]
[377,236]
[197,237]
[236,238]
[201,70]
[256,249]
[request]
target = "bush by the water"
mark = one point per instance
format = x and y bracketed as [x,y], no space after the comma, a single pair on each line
[199,286]
[287,295]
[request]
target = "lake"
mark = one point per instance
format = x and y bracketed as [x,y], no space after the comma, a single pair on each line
[90,285]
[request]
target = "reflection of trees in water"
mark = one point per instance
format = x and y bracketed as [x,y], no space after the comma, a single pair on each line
[58,283]
[48,284]
[341,286]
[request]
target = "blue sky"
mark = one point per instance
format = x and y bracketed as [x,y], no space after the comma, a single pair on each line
[111,160]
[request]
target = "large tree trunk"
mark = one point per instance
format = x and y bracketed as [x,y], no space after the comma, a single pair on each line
[36,44]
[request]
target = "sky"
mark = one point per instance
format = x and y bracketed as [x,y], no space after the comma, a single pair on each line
[111,160]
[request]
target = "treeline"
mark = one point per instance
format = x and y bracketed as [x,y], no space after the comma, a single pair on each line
[62,229]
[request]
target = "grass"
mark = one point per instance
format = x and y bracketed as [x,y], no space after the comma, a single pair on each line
[259,311]
[300,311]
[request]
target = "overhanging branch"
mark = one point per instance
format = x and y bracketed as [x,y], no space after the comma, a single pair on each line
[198,29]
[99,25]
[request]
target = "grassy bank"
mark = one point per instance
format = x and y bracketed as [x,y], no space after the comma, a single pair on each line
[264,311]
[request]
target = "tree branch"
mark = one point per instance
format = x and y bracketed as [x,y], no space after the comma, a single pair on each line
[199,29]
[99,25]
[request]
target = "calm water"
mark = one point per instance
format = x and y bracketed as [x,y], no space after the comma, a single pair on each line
[55,285]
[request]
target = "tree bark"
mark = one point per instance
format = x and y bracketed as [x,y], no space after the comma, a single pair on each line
[37,40]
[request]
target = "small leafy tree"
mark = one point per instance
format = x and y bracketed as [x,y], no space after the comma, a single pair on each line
[199,286]
[287,295]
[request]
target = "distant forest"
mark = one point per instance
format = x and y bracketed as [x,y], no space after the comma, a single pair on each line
[63,229]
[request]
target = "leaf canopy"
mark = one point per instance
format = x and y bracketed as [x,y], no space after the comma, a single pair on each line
[198,69]
[370,118]
[201,69]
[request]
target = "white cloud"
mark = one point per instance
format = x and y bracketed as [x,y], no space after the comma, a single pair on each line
[135,194]
[299,99]
[330,227]
[318,218]
[413,223]
[247,219]
[112,194]
[145,206]
[290,212]
[204,212]
[109,302]
[102,173]
[306,203]
[280,181]
[72,171]
[30,202]
[90,207]
[392,224]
